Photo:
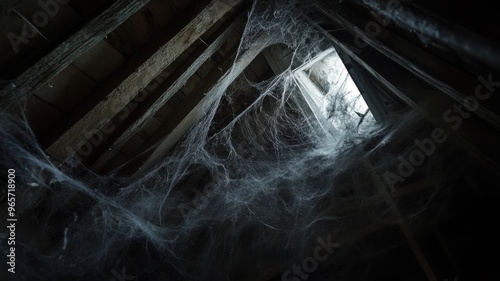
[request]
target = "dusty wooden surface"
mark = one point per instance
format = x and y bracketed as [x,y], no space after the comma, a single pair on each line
[137,80]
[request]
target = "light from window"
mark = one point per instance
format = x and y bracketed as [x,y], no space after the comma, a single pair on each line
[331,93]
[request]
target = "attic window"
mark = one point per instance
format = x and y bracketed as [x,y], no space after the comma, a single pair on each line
[331,93]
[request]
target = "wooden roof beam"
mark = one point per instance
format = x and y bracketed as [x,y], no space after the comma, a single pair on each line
[210,97]
[15,93]
[146,111]
[127,89]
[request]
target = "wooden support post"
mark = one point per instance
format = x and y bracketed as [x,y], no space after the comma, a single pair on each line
[119,97]
[15,93]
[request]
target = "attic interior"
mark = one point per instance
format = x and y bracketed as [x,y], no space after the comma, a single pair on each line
[249,140]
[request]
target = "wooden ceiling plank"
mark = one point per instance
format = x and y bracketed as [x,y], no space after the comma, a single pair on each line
[166,91]
[15,93]
[138,80]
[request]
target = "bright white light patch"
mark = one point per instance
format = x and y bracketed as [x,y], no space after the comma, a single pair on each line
[332,94]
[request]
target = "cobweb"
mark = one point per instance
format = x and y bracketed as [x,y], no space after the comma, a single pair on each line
[244,196]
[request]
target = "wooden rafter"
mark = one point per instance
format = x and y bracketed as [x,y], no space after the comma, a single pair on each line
[171,86]
[127,89]
[54,62]
[202,107]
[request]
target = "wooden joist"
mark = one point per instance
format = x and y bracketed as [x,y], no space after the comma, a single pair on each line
[16,92]
[127,89]
[159,98]
[204,105]
[182,110]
